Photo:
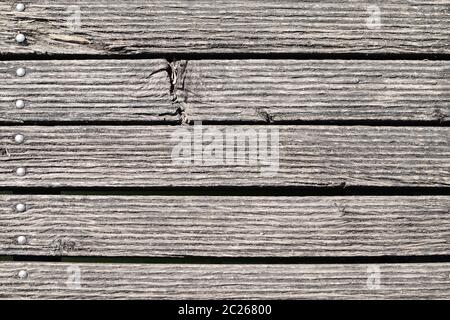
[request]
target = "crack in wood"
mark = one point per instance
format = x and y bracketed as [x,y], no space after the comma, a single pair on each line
[178,71]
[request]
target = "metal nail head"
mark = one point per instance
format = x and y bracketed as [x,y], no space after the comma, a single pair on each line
[21,72]
[23,274]
[20,38]
[19,139]
[21,240]
[20,7]
[21,171]
[20,207]
[20,104]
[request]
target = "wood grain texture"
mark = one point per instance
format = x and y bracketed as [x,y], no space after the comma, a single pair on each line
[225,90]
[87,90]
[131,281]
[141,26]
[139,156]
[311,90]
[163,226]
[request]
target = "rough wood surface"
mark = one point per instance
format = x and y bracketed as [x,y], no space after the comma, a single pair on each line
[225,226]
[133,281]
[225,90]
[130,156]
[286,90]
[87,90]
[127,27]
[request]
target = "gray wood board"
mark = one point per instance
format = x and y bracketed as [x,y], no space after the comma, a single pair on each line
[87,90]
[224,90]
[311,90]
[146,156]
[168,226]
[184,281]
[140,26]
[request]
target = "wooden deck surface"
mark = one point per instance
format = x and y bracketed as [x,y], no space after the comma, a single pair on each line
[132,139]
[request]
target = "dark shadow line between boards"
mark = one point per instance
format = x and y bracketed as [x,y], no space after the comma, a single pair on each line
[173,56]
[234,260]
[337,123]
[286,191]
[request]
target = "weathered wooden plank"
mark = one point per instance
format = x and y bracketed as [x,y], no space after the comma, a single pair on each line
[225,90]
[161,226]
[86,90]
[165,281]
[127,27]
[137,156]
[295,90]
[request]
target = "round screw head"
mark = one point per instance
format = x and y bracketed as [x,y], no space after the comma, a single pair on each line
[20,104]
[20,7]
[20,38]
[21,72]
[20,207]
[19,139]
[21,171]
[23,274]
[21,240]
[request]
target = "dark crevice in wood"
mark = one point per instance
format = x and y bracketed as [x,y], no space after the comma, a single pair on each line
[95,123]
[266,117]
[36,258]
[6,258]
[240,260]
[236,191]
[172,75]
[178,112]
[179,94]
[172,56]
[265,120]
[178,109]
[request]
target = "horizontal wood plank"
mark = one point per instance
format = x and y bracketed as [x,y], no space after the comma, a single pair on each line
[314,90]
[163,226]
[140,26]
[224,90]
[143,156]
[166,281]
[86,90]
